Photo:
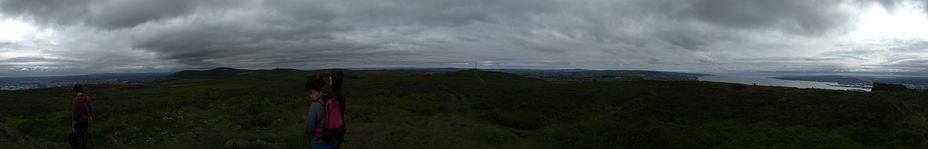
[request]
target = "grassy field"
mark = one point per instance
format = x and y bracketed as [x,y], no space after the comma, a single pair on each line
[471,109]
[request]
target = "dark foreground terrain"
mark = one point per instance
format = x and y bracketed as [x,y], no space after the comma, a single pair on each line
[470,109]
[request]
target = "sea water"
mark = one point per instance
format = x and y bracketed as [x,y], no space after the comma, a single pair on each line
[768,81]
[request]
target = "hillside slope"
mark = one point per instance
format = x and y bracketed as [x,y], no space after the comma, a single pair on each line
[472,109]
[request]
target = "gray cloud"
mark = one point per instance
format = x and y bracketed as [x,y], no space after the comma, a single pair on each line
[909,46]
[796,16]
[888,4]
[105,14]
[909,64]
[290,27]
[29,59]
[47,11]
[129,13]
[137,35]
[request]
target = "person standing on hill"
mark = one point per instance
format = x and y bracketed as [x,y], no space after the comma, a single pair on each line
[323,121]
[335,82]
[81,115]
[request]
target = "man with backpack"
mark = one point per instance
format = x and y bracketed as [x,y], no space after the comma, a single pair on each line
[81,115]
[324,120]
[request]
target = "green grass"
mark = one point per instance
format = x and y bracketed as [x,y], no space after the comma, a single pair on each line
[472,109]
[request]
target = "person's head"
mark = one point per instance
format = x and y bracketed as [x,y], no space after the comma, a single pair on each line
[78,88]
[335,80]
[314,87]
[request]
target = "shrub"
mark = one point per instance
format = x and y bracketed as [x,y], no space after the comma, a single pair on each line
[528,120]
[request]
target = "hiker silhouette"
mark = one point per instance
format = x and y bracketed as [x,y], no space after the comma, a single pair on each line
[324,118]
[81,115]
[335,81]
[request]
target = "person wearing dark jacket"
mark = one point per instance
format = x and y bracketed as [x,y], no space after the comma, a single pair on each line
[81,115]
[315,118]
[335,82]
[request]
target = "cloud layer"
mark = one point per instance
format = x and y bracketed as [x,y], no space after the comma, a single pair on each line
[90,36]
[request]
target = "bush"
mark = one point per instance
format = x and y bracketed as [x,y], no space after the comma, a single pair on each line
[413,104]
[528,120]
[245,144]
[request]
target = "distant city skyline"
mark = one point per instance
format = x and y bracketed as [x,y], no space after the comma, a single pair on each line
[73,37]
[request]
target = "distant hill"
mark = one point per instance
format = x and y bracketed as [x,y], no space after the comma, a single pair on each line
[19,83]
[93,76]
[581,75]
[470,109]
[420,70]
[220,72]
[566,75]
[877,86]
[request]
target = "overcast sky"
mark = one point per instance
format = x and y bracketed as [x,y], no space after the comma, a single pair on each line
[59,37]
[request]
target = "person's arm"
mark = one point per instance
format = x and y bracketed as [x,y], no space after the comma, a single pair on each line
[312,117]
[73,114]
[308,123]
[341,101]
[343,105]
[89,106]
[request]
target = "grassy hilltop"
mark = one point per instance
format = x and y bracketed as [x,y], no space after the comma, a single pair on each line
[469,109]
